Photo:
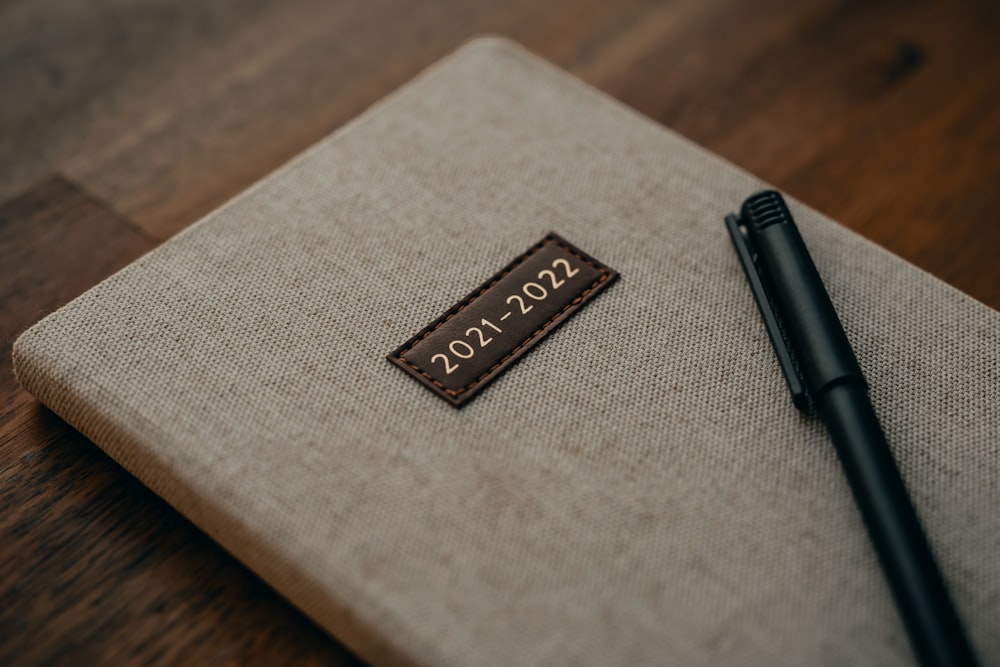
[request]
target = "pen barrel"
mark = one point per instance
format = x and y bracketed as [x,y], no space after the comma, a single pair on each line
[838,390]
[916,582]
[821,347]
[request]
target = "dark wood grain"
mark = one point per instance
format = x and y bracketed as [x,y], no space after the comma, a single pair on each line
[884,115]
[55,241]
[98,570]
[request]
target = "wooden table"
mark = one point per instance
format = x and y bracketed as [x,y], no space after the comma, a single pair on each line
[121,122]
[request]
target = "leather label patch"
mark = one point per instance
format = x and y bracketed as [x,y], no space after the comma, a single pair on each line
[478,338]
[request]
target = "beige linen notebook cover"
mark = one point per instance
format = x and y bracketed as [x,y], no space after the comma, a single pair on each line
[637,490]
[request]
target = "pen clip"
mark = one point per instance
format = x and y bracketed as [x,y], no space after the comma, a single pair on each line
[775,330]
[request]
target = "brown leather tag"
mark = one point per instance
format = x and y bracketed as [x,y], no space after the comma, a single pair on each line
[478,338]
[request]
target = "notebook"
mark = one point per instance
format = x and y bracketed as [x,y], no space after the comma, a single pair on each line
[636,489]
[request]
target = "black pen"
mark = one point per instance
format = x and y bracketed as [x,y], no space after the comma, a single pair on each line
[823,374]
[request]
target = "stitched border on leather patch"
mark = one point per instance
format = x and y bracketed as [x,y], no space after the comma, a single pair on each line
[478,338]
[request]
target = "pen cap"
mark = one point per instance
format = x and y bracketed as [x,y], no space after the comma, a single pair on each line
[814,331]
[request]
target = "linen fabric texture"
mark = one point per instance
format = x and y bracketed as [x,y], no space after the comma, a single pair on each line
[637,490]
